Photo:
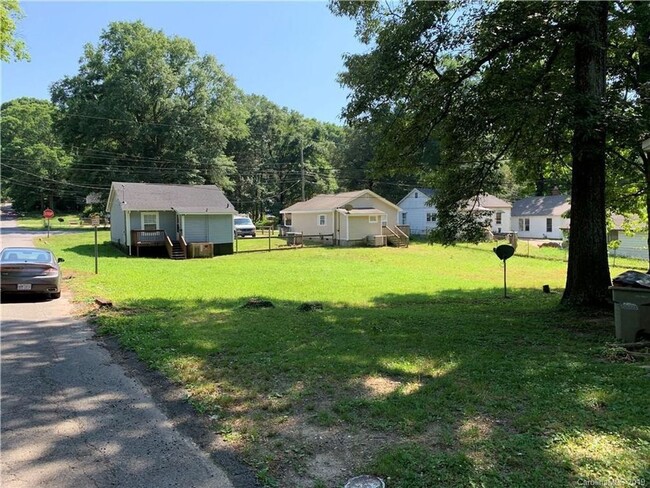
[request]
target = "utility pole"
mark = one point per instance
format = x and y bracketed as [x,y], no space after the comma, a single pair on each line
[302,166]
[302,169]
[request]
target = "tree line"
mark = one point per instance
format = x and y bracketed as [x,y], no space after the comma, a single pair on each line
[147,107]
[467,97]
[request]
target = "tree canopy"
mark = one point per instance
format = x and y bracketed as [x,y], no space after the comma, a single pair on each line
[147,107]
[502,83]
[10,46]
[34,163]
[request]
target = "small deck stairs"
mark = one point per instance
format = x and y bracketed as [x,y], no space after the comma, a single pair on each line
[177,251]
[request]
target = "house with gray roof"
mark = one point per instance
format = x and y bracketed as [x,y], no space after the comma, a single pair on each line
[349,218]
[420,214]
[178,220]
[541,217]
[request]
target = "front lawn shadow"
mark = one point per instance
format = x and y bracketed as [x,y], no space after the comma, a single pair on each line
[448,389]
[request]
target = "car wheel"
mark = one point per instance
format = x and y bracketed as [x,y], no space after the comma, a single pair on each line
[253,234]
[56,295]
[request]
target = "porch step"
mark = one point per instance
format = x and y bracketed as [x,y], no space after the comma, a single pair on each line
[397,241]
[177,251]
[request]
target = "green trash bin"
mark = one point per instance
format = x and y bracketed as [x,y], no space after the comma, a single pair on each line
[631,311]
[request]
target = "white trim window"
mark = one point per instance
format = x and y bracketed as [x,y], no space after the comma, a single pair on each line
[322,220]
[549,224]
[524,225]
[372,219]
[498,218]
[403,218]
[431,217]
[150,220]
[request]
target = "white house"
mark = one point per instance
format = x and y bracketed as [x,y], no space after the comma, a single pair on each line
[347,218]
[632,237]
[541,217]
[421,216]
[415,211]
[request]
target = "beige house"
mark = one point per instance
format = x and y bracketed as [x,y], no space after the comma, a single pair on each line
[350,218]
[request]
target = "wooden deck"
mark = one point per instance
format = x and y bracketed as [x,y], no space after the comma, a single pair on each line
[158,238]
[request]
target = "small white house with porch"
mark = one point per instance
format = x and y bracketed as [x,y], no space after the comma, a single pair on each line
[349,218]
[420,215]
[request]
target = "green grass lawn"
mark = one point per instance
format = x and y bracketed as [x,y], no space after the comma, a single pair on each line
[35,221]
[417,369]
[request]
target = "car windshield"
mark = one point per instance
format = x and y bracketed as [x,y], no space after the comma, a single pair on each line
[26,255]
[243,221]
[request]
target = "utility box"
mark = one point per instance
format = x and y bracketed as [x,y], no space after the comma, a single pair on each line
[294,238]
[200,250]
[376,240]
[631,312]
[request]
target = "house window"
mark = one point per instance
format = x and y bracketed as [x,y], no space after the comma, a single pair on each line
[287,219]
[431,217]
[322,219]
[403,218]
[149,220]
[384,220]
[372,219]
[549,225]
[415,195]
[524,225]
[498,218]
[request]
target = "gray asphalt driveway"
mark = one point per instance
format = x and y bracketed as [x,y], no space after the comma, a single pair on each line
[71,417]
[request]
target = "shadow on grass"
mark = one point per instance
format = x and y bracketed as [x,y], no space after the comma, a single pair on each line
[462,386]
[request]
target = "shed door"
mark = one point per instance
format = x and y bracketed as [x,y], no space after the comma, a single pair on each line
[196,228]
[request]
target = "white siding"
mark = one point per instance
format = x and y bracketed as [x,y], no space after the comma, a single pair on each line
[635,246]
[537,228]
[506,221]
[416,211]
[118,224]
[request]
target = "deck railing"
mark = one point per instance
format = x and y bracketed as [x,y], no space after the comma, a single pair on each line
[183,243]
[148,237]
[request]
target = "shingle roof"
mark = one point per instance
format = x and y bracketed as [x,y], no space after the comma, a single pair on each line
[490,201]
[183,198]
[540,206]
[326,202]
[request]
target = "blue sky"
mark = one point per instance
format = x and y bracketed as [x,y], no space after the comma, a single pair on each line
[289,52]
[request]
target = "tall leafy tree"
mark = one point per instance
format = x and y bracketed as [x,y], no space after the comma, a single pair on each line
[34,163]
[269,174]
[11,47]
[523,82]
[147,107]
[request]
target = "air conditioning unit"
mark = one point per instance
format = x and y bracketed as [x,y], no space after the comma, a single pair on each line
[376,240]
[201,250]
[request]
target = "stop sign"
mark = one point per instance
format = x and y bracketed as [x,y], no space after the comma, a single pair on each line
[48,213]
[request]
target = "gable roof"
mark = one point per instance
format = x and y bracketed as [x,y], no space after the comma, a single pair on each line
[490,201]
[328,202]
[551,205]
[485,201]
[181,198]
[427,192]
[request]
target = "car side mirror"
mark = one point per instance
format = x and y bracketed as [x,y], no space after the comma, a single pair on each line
[60,260]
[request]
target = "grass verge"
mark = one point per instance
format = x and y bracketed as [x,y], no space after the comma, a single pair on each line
[416,369]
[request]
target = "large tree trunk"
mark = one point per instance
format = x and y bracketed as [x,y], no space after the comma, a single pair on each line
[588,270]
[642,25]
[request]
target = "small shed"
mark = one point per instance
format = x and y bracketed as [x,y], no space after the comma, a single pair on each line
[186,220]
